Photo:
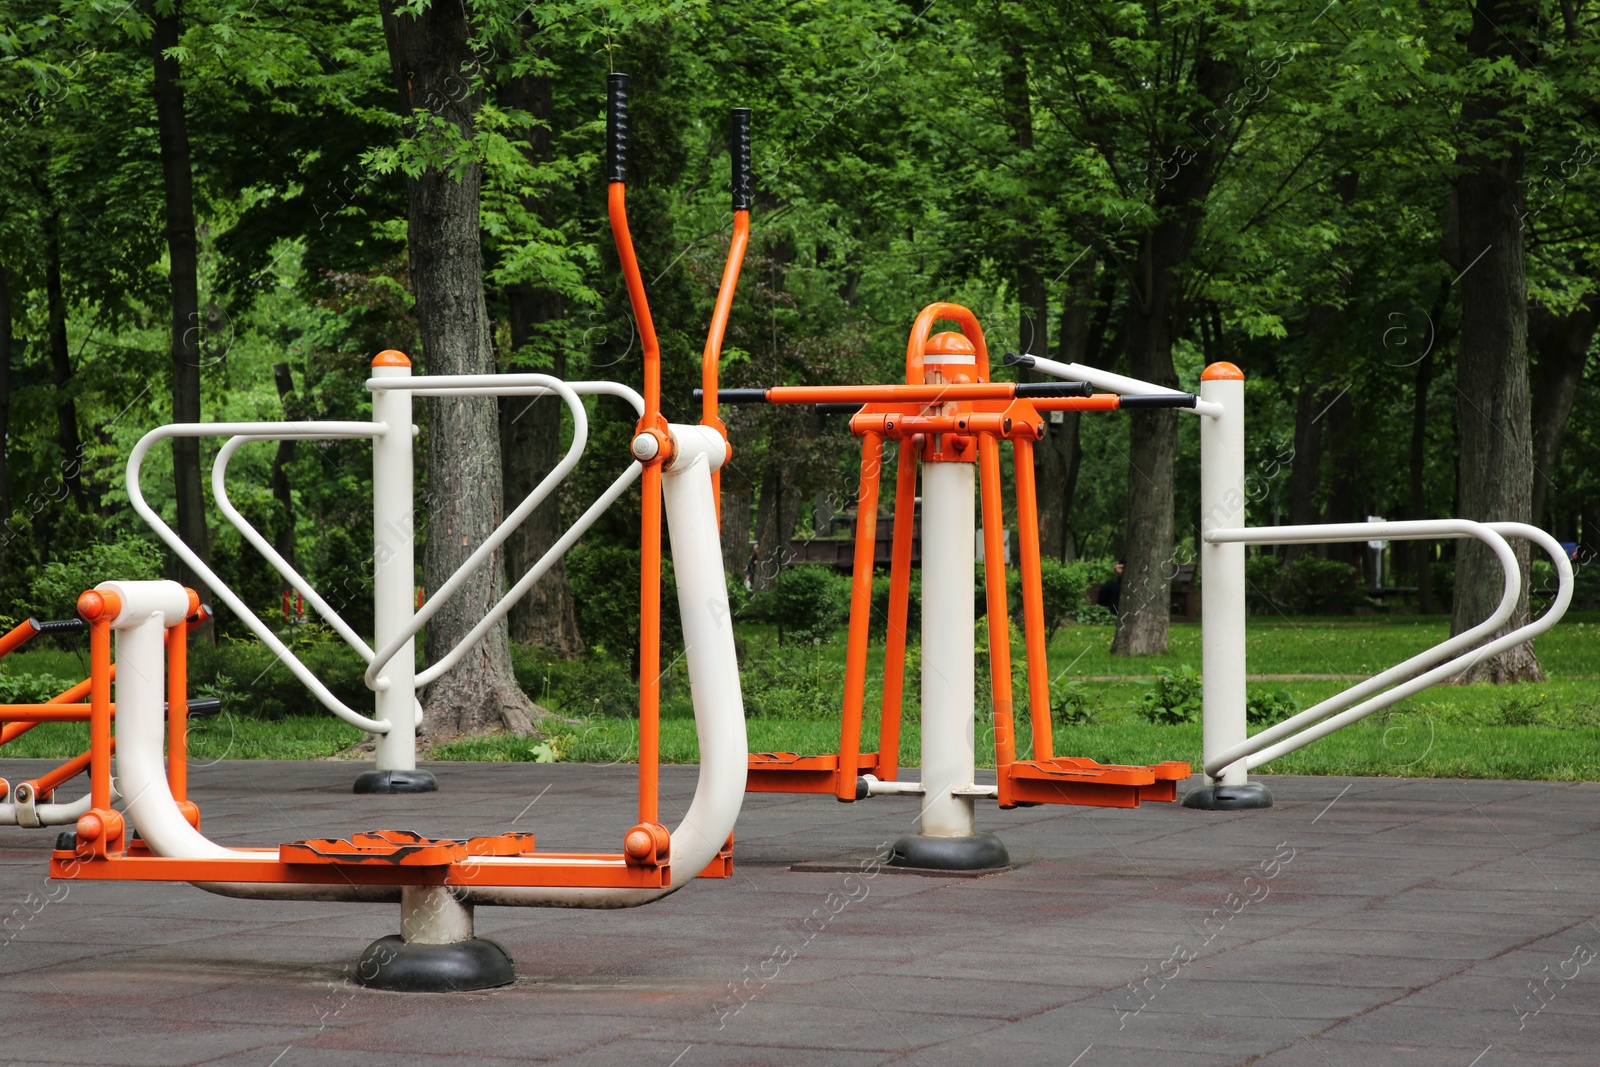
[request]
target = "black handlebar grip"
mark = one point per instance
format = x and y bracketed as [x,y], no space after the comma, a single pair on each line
[204,708]
[736,396]
[1047,389]
[1017,359]
[739,149]
[59,626]
[1158,400]
[616,127]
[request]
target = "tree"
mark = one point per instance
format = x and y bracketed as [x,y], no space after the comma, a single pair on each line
[177,174]
[1494,409]
[433,63]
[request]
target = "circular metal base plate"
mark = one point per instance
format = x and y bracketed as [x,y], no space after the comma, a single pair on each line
[396,782]
[401,966]
[1228,797]
[979,851]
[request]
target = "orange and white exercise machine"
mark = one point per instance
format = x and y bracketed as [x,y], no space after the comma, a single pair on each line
[1229,753]
[32,803]
[437,882]
[950,418]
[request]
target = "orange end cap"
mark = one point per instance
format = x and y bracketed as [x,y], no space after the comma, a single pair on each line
[949,343]
[391,357]
[639,845]
[90,827]
[99,604]
[1222,372]
[194,600]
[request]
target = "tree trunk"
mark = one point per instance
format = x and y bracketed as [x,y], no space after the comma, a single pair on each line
[1305,465]
[5,397]
[283,540]
[1153,312]
[530,428]
[736,501]
[1496,434]
[1421,552]
[430,59]
[1562,345]
[1145,606]
[67,438]
[177,180]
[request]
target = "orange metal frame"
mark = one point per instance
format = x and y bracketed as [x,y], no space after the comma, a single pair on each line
[961,421]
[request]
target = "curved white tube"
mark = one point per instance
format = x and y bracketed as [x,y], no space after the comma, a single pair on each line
[1446,671]
[492,543]
[501,385]
[1303,728]
[308,431]
[219,491]
[14,814]
[713,680]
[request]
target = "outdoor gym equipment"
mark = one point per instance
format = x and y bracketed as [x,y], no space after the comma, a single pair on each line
[1229,753]
[436,881]
[951,417]
[32,803]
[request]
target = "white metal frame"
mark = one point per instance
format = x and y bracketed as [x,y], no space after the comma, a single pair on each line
[390,671]
[1229,753]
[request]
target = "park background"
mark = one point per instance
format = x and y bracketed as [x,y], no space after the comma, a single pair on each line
[1384,215]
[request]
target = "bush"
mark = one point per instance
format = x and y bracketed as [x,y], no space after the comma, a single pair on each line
[56,587]
[32,688]
[1173,698]
[1264,578]
[1093,615]
[595,683]
[1062,584]
[605,593]
[793,686]
[808,602]
[1265,707]
[1442,575]
[1318,586]
[878,627]
[1072,703]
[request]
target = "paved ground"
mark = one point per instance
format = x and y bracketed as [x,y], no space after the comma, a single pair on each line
[1361,921]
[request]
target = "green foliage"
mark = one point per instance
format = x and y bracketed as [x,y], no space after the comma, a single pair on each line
[1263,707]
[799,685]
[1074,703]
[806,603]
[56,587]
[1063,586]
[879,628]
[26,688]
[1173,698]
[595,683]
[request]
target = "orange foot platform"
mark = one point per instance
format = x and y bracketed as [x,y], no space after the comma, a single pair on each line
[790,772]
[1073,780]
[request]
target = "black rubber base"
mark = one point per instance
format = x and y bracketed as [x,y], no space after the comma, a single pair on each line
[1228,797]
[397,965]
[395,782]
[980,851]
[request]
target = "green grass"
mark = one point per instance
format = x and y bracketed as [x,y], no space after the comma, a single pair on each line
[1545,731]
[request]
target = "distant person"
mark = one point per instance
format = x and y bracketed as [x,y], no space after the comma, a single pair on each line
[1110,594]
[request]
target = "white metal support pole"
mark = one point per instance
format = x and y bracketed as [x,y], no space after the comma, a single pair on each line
[1222,591]
[949,552]
[394,584]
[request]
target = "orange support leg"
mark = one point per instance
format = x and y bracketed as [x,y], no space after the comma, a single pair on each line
[855,663]
[100,712]
[994,580]
[894,651]
[1033,600]
[650,644]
